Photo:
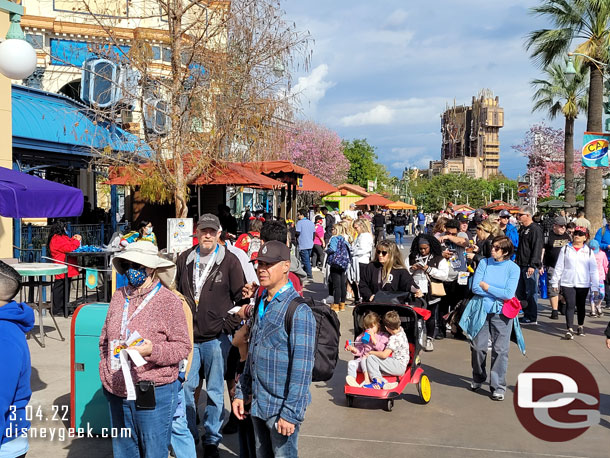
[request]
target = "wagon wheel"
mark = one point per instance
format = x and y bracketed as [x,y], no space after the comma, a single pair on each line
[424,389]
[389,405]
[350,400]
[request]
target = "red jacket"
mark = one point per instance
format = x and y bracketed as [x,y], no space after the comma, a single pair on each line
[59,246]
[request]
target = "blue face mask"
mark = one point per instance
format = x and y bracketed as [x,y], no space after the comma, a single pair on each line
[149,230]
[136,277]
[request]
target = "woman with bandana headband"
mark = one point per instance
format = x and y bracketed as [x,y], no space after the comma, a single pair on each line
[143,344]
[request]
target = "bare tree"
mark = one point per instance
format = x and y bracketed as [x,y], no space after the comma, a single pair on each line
[223,95]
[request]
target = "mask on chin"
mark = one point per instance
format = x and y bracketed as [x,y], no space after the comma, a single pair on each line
[136,277]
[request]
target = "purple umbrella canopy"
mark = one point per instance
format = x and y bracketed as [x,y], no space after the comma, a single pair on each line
[27,196]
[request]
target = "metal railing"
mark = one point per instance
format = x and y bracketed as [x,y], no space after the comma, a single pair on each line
[34,238]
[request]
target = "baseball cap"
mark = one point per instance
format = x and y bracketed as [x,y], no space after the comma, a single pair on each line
[272,252]
[462,218]
[208,221]
[504,214]
[560,221]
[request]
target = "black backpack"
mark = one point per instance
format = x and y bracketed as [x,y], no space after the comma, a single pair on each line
[327,336]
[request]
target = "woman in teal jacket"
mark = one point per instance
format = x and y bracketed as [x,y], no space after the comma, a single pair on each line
[495,281]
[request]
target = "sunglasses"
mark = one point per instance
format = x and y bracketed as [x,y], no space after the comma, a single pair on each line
[522,214]
[580,233]
[496,247]
[382,252]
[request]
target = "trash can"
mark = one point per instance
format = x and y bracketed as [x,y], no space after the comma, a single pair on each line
[88,405]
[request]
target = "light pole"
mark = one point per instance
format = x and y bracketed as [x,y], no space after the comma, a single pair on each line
[502,191]
[456,194]
[593,177]
[17,61]
[17,56]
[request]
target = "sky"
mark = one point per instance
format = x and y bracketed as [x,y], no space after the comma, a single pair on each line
[385,70]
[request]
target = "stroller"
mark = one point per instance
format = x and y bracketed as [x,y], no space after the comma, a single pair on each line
[411,317]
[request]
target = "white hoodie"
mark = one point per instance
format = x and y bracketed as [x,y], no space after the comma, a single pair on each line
[577,269]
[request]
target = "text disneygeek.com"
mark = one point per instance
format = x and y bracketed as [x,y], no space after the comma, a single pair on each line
[61,434]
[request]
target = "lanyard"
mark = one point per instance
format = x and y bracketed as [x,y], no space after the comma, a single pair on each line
[199,280]
[261,308]
[125,321]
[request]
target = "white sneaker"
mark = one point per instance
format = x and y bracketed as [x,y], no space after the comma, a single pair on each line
[351,381]
[390,386]
[429,346]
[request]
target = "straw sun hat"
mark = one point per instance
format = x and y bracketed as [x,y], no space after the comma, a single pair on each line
[146,254]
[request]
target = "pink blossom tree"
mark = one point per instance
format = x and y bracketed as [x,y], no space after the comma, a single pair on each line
[543,146]
[318,149]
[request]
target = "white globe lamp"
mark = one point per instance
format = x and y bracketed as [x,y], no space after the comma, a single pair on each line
[17,59]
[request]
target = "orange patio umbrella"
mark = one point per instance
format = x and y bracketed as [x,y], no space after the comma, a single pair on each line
[398,205]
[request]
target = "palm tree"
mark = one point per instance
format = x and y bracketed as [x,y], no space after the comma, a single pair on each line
[557,95]
[588,22]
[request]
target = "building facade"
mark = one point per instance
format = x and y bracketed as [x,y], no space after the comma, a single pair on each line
[471,138]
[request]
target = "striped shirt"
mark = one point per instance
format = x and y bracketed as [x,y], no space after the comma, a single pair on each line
[278,368]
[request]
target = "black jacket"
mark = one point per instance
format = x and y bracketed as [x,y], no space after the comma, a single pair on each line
[221,290]
[484,249]
[399,220]
[370,280]
[329,222]
[529,251]
[378,220]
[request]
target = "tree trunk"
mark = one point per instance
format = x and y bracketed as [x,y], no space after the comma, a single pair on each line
[593,177]
[569,161]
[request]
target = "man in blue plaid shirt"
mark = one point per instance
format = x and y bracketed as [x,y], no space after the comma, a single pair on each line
[278,369]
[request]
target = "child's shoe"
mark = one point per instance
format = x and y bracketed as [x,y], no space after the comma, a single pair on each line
[351,381]
[341,306]
[390,385]
[375,385]
[334,307]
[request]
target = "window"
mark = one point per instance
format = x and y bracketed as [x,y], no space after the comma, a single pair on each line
[37,41]
[100,82]
[156,51]
[167,55]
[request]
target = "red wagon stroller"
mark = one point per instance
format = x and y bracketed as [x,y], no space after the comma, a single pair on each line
[411,318]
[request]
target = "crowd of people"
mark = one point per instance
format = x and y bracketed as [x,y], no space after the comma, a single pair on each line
[217,313]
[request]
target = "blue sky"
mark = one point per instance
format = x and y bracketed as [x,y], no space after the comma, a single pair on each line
[385,70]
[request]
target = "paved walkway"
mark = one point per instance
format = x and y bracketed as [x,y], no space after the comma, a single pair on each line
[455,423]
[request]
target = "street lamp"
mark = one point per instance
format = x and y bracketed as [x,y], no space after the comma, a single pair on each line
[17,56]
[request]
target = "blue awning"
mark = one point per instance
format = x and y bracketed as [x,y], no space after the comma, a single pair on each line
[53,122]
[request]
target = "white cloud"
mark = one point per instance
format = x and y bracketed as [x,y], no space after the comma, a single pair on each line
[396,19]
[312,88]
[380,114]
[402,111]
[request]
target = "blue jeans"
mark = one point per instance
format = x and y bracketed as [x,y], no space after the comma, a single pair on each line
[150,429]
[270,443]
[212,355]
[527,290]
[182,439]
[499,327]
[306,260]
[399,232]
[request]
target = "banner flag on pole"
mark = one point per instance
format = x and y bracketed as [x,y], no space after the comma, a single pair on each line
[595,150]
[91,278]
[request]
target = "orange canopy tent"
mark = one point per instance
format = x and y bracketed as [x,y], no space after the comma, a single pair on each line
[398,205]
[374,200]
[222,173]
[314,184]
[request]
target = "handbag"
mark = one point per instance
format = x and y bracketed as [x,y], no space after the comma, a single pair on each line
[436,288]
[511,308]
